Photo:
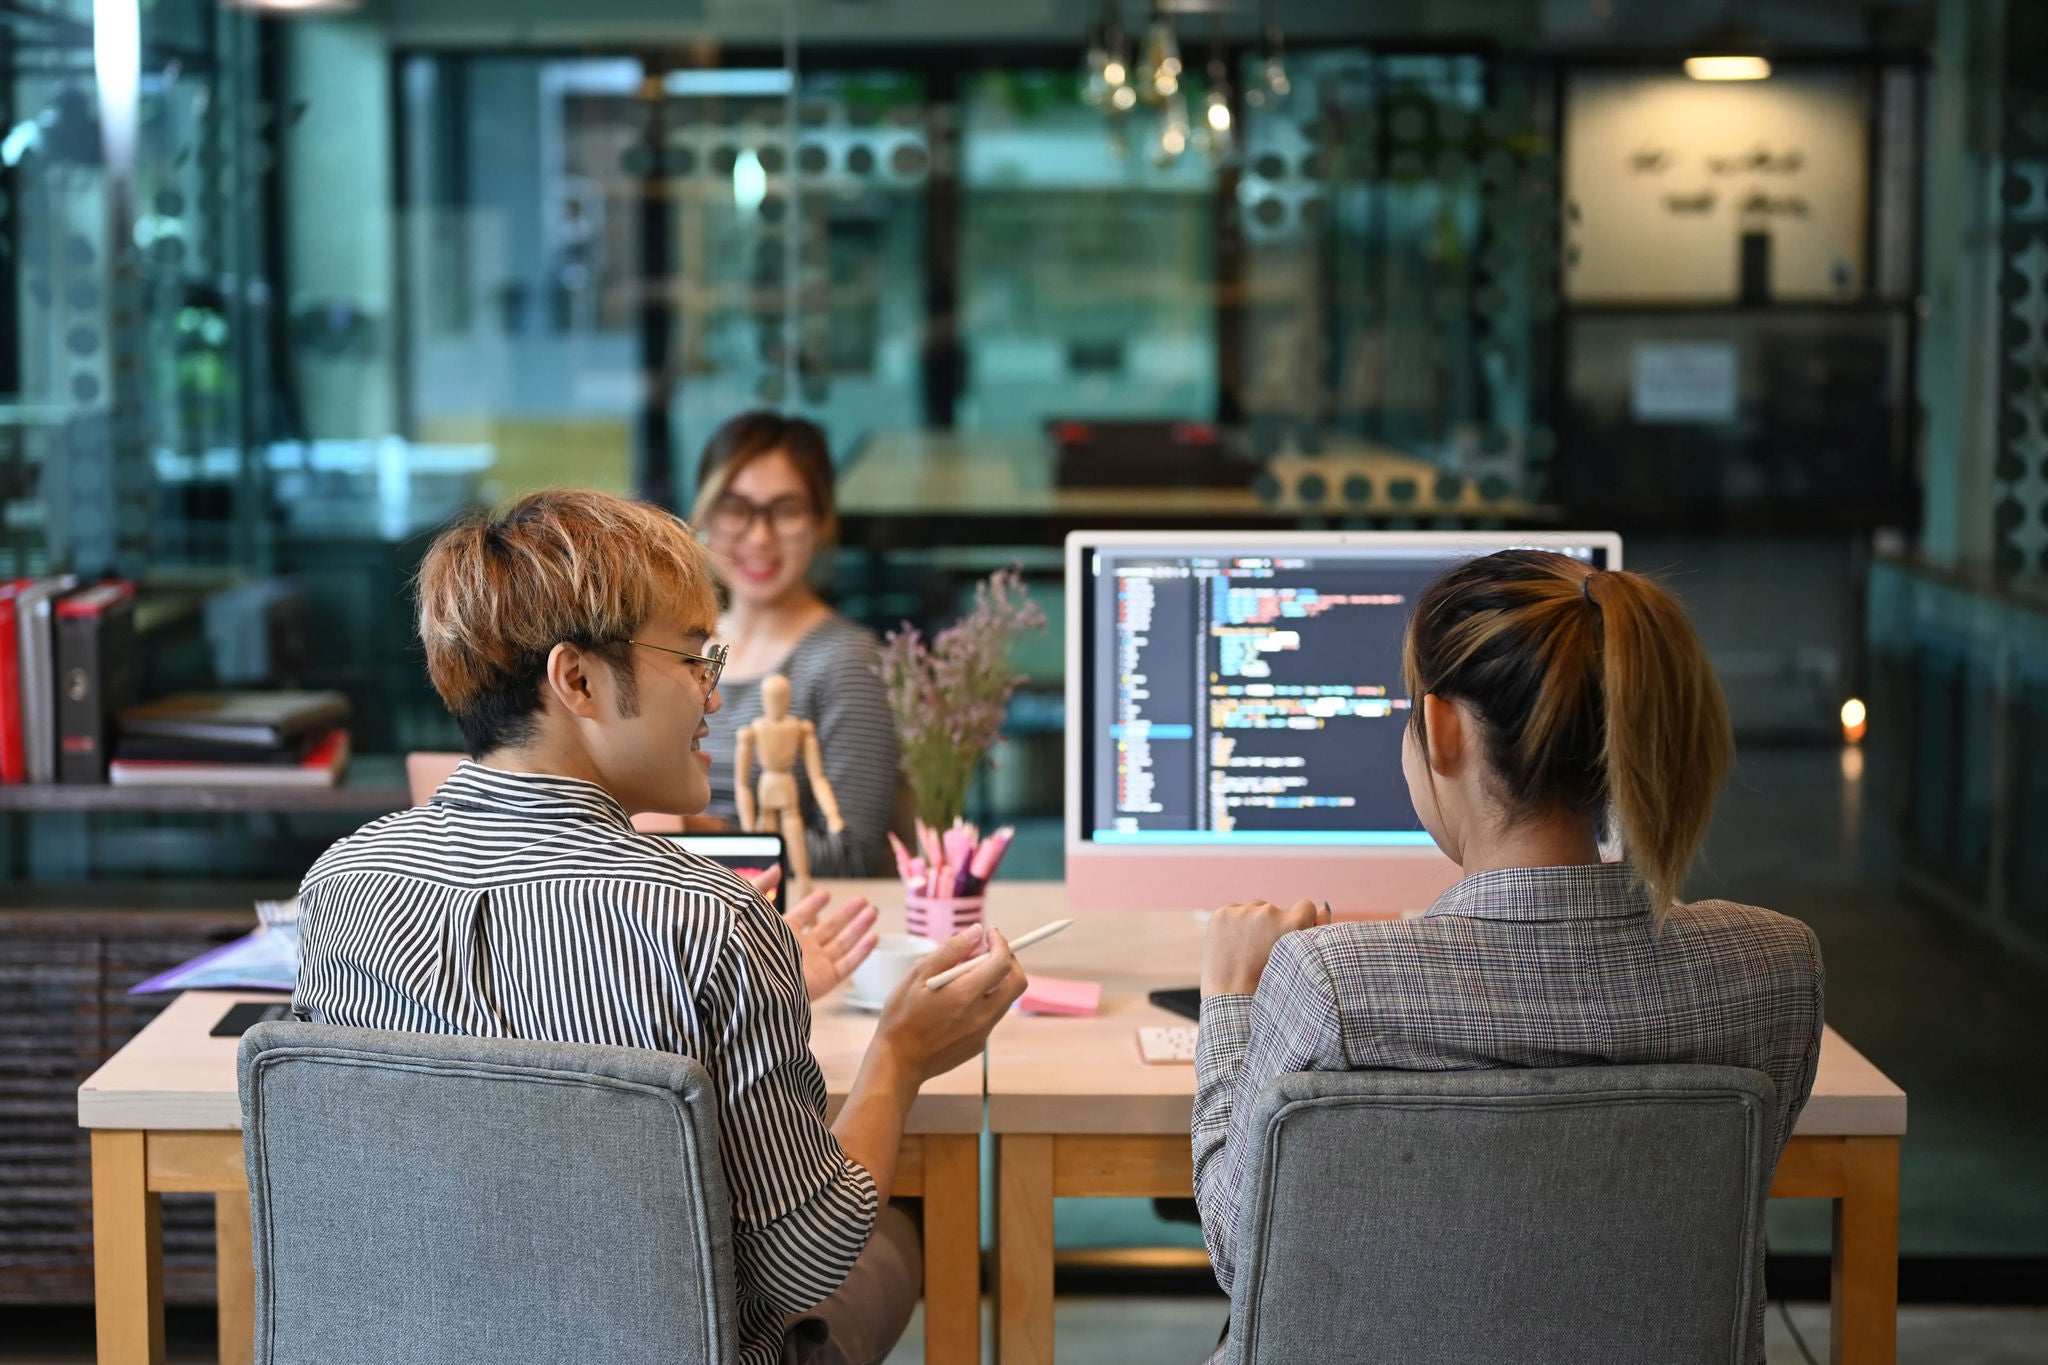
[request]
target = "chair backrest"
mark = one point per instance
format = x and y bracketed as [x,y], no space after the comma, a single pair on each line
[464,1200]
[426,770]
[1570,1215]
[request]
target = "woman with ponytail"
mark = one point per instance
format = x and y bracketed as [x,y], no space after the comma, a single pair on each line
[1550,706]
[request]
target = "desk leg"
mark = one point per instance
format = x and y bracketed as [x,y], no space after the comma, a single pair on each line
[235,1277]
[952,1247]
[127,1251]
[1865,1279]
[1023,1249]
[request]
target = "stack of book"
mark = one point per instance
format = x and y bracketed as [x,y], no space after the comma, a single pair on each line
[67,663]
[243,739]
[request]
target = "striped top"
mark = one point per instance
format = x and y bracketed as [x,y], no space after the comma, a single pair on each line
[516,905]
[1544,966]
[833,683]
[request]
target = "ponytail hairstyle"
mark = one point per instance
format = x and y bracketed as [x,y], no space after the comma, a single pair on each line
[1594,697]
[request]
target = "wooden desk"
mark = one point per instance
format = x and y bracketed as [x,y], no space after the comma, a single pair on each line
[1076,1113]
[1014,474]
[165,1117]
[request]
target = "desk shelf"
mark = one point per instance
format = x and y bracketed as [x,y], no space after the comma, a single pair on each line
[375,784]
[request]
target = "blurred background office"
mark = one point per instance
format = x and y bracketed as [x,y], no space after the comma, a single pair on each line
[286,284]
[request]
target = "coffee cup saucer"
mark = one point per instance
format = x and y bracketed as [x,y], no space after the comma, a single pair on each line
[861,1002]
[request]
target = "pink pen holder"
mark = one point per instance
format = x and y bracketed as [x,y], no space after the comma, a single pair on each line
[940,917]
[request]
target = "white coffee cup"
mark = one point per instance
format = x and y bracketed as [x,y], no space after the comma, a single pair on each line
[887,965]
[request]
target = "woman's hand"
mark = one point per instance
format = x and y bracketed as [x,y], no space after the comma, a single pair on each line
[1240,939]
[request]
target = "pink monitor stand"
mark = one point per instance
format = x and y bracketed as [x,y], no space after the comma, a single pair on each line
[1356,882]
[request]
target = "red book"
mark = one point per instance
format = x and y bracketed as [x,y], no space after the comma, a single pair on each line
[322,766]
[13,747]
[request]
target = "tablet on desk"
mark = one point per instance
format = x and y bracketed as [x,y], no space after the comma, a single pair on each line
[749,855]
[248,1014]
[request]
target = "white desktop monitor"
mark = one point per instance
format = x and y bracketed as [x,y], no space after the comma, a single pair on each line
[1235,714]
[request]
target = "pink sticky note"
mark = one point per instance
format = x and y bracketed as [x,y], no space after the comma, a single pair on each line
[1056,995]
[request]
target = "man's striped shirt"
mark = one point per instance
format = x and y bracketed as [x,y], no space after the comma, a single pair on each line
[516,905]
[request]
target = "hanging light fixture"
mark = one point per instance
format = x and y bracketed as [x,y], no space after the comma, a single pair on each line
[1174,131]
[1159,76]
[1218,138]
[1106,69]
[1731,52]
[1274,69]
[1728,67]
[284,7]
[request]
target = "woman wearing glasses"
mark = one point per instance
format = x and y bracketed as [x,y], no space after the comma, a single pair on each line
[765,509]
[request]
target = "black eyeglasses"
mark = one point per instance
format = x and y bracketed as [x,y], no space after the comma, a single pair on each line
[732,516]
[713,664]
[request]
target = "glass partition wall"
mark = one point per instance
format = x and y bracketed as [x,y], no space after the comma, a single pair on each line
[134,308]
[353,275]
[1363,257]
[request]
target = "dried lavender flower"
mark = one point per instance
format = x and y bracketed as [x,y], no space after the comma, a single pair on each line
[949,697]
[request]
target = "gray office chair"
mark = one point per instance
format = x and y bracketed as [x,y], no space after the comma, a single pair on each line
[482,1200]
[1576,1215]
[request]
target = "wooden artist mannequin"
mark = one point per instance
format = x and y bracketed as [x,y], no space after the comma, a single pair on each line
[782,740]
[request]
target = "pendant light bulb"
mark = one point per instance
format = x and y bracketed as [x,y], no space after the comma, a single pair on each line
[1174,131]
[1106,66]
[1159,77]
[1218,139]
[1273,70]
[1276,71]
[1095,82]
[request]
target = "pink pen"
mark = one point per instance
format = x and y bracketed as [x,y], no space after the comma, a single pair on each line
[902,856]
[1001,839]
[986,857]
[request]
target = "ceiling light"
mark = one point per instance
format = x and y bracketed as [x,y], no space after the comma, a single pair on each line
[1173,131]
[1106,67]
[117,70]
[295,6]
[1731,51]
[749,182]
[1728,68]
[1275,65]
[1216,136]
[1159,75]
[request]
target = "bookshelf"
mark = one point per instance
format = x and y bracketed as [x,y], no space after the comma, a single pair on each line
[374,784]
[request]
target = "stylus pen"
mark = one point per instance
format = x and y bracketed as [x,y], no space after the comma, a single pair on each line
[1043,931]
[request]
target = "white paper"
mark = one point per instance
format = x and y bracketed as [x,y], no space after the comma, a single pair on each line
[1685,381]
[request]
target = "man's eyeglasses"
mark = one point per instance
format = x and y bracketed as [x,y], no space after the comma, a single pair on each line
[710,665]
[732,516]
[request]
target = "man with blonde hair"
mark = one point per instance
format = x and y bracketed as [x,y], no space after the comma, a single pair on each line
[570,637]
